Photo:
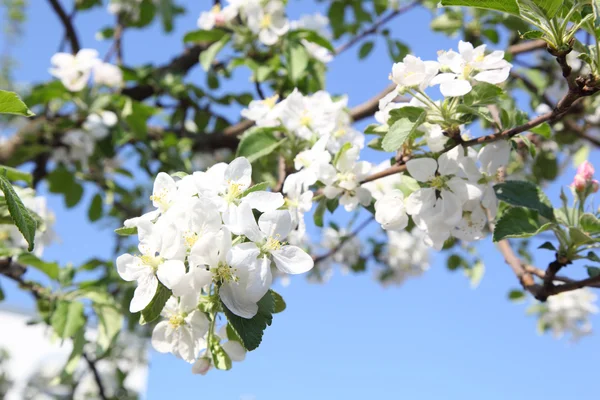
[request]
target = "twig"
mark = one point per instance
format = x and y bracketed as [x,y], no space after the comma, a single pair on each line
[375,27]
[526,47]
[68,25]
[97,378]
[282,174]
[343,241]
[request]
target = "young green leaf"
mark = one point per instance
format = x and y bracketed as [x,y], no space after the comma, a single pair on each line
[203,36]
[401,130]
[10,103]
[18,212]
[257,143]
[220,357]
[209,55]
[68,318]
[507,6]
[519,222]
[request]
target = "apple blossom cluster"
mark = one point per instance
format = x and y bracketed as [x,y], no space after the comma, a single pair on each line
[455,72]
[454,197]
[567,313]
[75,71]
[80,143]
[406,257]
[266,20]
[11,238]
[319,24]
[203,239]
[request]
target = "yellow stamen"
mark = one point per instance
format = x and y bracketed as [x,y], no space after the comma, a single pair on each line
[176,321]
[271,101]
[266,21]
[224,274]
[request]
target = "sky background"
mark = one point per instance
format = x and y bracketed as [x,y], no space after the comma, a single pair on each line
[434,337]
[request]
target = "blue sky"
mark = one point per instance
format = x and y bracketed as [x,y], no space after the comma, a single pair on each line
[433,337]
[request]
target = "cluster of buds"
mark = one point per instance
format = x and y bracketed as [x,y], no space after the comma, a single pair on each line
[583,183]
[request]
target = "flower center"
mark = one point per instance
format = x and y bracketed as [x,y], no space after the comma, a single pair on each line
[438,182]
[152,261]
[306,120]
[266,21]
[190,239]
[160,197]
[176,321]
[347,176]
[272,244]
[339,133]
[223,273]
[271,101]
[234,191]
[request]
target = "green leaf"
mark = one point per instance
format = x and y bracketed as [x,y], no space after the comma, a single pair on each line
[543,130]
[278,301]
[298,61]
[257,143]
[250,331]
[49,268]
[75,356]
[475,274]
[110,321]
[578,237]
[95,210]
[220,357]
[208,55]
[483,94]
[125,231]
[532,35]
[313,37]
[507,6]
[18,212]
[519,222]
[593,271]
[14,174]
[258,187]
[549,8]
[332,204]
[590,223]
[547,246]
[153,310]
[366,49]
[516,295]
[68,318]
[593,257]
[525,194]
[320,212]
[10,103]
[401,130]
[204,36]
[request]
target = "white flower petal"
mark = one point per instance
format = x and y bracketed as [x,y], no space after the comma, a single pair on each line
[455,88]
[292,260]
[234,350]
[422,169]
[276,224]
[144,293]
[160,341]
[264,201]
[239,171]
[170,272]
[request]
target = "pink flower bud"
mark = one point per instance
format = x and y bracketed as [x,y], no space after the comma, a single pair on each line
[586,170]
[220,19]
[579,183]
[595,186]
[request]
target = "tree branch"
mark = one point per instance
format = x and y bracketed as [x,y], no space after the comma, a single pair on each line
[343,241]
[376,26]
[97,378]
[68,25]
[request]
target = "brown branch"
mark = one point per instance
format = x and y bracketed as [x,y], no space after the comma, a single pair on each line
[68,25]
[15,271]
[97,377]
[526,47]
[373,29]
[574,285]
[343,241]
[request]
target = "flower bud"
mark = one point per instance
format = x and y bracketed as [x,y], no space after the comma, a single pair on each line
[579,184]
[595,186]
[586,170]
[201,366]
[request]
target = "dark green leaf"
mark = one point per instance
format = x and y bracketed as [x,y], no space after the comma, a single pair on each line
[516,295]
[547,246]
[251,330]
[320,212]
[593,271]
[365,49]
[278,301]
[519,222]
[153,310]
[95,210]
[204,36]
[525,194]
